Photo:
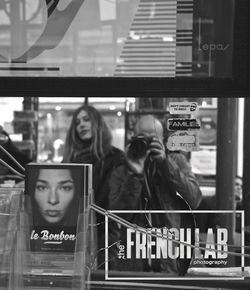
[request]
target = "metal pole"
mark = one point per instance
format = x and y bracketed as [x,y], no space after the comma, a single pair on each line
[246,179]
[226,163]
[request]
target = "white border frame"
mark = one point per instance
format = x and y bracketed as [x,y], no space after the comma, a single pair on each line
[176,278]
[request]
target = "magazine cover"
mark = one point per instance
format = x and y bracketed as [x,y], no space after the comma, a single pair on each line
[56,194]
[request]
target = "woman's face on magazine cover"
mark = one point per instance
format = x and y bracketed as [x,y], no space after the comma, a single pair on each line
[83,126]
[54,192]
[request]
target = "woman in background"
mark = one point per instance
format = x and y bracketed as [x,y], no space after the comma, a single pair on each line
[89,140]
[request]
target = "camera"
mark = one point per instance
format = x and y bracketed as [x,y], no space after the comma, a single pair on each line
[138,147]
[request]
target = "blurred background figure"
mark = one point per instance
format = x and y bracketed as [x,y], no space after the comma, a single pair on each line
[9,146]
[238,190]
[89,140]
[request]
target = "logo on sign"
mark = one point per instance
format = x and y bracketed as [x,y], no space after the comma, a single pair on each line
[182,124]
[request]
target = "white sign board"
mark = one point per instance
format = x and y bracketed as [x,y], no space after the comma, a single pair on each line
[204,161]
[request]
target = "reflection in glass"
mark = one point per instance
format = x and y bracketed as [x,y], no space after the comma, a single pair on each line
[169,38]
[55,115]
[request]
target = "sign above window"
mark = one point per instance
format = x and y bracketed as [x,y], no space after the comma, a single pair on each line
[114,38]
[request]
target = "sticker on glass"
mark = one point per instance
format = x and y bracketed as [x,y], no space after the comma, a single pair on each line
[183,107]
[182,124]
[183,140]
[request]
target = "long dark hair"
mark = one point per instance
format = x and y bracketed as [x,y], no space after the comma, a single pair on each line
[101,136]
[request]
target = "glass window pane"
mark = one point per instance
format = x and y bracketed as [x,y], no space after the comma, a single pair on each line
[55,115]
[52,118]
[145,38]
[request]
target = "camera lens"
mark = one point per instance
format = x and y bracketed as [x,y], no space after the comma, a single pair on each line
[137,148]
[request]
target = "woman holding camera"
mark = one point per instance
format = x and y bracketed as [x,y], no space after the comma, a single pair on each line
[89,140]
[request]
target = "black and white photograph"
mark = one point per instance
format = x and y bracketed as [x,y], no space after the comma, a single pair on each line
[55,192]
[124,144]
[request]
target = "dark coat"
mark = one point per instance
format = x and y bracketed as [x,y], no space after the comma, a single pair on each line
[102,171]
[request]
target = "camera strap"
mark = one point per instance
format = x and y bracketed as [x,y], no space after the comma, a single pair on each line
[148,215]
[148,199]
[148,193]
